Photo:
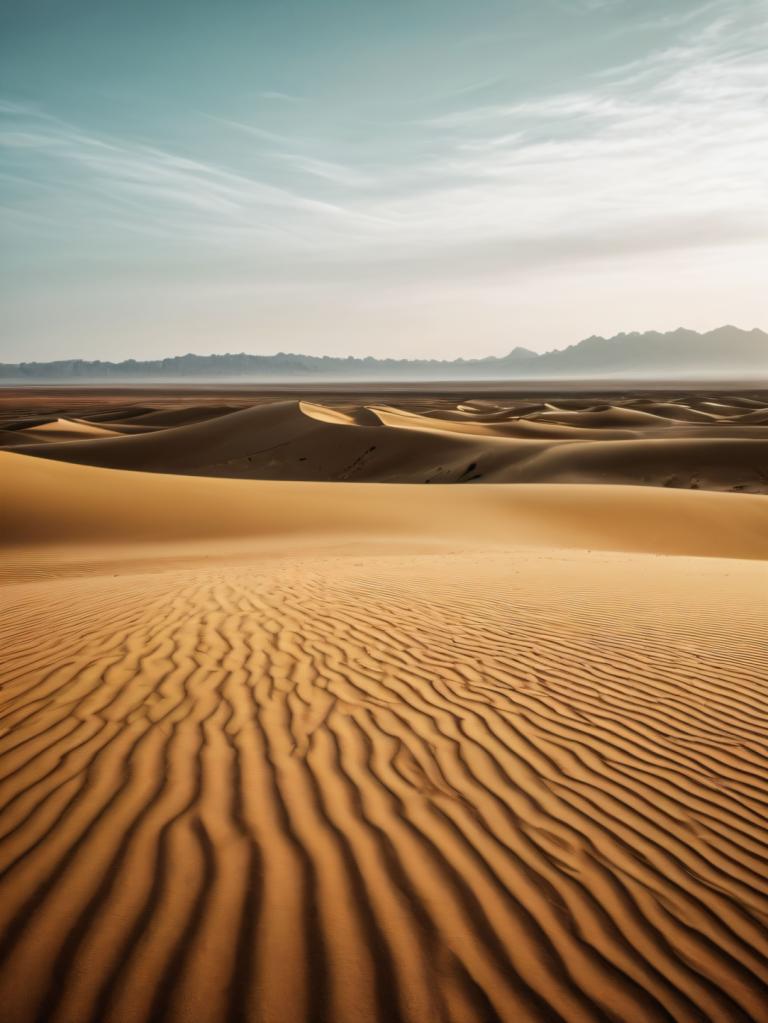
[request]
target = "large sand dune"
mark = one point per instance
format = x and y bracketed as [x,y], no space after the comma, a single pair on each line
[693,442]
[52,502]
[287,751]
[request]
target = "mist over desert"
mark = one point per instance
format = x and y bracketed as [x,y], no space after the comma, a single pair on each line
[289,735]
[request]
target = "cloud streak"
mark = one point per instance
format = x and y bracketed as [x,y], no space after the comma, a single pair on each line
[680,134]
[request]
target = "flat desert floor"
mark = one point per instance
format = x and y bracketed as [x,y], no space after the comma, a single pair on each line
[281,747]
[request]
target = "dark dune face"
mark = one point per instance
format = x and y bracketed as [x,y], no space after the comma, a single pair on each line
[708,441]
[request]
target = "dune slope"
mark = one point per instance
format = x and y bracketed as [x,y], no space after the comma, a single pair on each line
[703,444]
[298,752]
[53,502]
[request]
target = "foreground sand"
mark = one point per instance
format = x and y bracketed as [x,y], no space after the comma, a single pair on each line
[380,753]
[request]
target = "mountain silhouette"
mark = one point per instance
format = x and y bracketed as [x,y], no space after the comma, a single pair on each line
[725,352]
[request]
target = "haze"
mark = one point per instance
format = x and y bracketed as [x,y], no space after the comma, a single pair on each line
[424,179]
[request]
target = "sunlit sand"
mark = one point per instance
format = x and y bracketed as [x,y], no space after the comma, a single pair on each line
[294,747]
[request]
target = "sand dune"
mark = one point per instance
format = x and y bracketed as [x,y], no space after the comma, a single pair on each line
[681,412]
[697,444]
[282,441]
[759,417]
[351,417]
[10,439]
[462,784]
[291,751]
[709,464]
[178,416]
[67,429]
[53,502]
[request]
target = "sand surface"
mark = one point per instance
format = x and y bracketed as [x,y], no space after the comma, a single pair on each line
[300,751]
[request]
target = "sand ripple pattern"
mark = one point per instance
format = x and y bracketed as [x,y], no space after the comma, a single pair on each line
[342,790]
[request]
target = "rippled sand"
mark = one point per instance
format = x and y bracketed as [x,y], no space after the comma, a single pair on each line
[285,751]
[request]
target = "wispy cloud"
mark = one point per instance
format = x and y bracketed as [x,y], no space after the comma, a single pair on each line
[295,155]
[281,97]
[590,6]
[680,134]
[339,174]
[167,192]
[677,139]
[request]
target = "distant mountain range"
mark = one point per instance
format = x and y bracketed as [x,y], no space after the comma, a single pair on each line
[727,352]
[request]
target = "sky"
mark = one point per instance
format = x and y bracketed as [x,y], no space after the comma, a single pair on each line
[425,178]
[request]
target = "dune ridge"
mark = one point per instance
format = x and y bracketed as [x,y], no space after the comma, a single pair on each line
[55,502]
[695,442]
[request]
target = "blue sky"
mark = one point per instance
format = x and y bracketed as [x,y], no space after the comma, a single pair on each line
[403,178]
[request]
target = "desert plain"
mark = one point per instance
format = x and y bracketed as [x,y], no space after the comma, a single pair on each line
[421,705]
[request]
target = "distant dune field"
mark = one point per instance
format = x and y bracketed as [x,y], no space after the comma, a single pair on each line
[699,441]
[325,745]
